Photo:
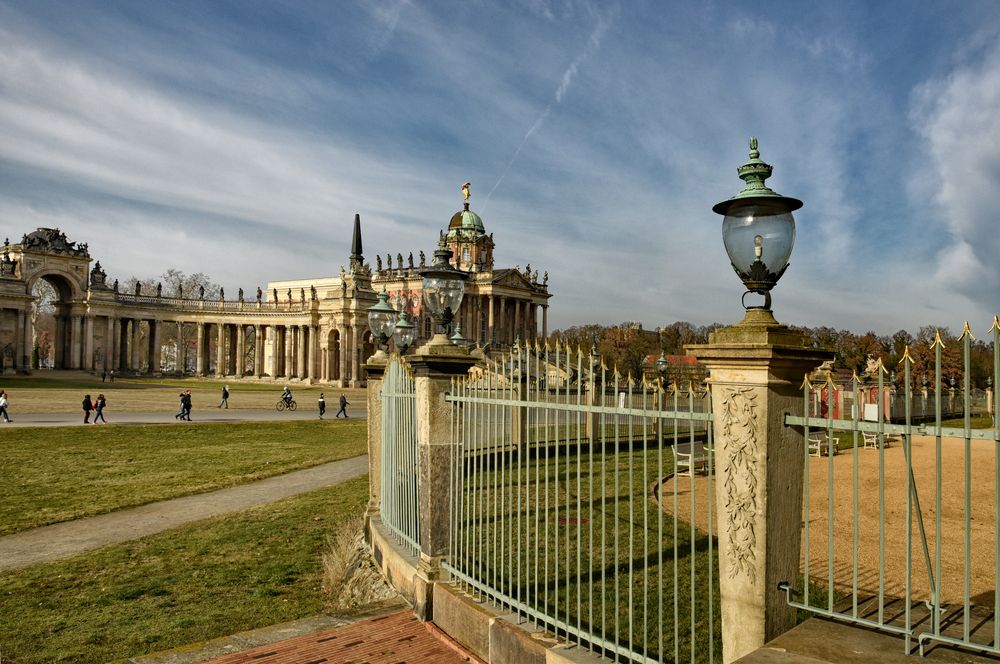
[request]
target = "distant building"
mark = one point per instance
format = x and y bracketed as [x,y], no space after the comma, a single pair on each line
[297,329]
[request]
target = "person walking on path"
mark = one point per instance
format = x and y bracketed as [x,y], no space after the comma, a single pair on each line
[88,406]
[180,413]
[225,397]
[343,406]
[112,375]
[322,405]
[3,407]
[99,408]
[104,375]
[186,408]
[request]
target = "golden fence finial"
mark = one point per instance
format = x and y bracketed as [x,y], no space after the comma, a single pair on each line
[996,324]
[937,340]
[965,331]
[906,355]
[806,383]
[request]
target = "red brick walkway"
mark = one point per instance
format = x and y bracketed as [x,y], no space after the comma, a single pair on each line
[398,638]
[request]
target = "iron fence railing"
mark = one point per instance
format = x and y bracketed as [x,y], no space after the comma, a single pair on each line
[399,477]
[566,510]
[902,534]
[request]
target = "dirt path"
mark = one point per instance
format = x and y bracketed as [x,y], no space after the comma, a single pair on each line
[953,456]
[61,540]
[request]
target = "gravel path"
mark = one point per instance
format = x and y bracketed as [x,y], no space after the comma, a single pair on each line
[982,462]
[61,540]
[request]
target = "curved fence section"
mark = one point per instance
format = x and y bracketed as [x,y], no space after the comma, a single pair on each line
[399,481]
[582,502]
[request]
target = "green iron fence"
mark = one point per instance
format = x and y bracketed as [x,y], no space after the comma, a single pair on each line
[566,510]
[399,509]
[933,488]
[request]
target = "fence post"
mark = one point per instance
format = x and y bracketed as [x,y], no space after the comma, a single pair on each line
[755,373]
[376,372]
[433,367]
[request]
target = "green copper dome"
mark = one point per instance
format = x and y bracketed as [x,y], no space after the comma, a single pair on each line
[467,220]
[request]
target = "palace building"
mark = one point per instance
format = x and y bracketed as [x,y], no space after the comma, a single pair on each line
[313,330]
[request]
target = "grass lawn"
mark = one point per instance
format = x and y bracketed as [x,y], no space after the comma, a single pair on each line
[218,577]
[62,391]
[62,473]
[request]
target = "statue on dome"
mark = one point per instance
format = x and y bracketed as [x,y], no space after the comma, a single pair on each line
[466,191]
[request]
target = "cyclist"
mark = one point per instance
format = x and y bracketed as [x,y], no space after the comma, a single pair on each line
[286,396]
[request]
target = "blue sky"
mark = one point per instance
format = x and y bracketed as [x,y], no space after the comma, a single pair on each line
[239,139]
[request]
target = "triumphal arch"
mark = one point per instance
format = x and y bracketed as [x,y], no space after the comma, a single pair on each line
[313,330]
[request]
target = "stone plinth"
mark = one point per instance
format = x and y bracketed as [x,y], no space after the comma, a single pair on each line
[756,370]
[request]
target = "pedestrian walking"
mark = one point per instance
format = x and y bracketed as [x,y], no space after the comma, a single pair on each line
[187,405]
[3,406]
[99,408]
[104,375]
[343,406]
[225,397]
[322,405]
[180,411]
[88,406]
[112,375]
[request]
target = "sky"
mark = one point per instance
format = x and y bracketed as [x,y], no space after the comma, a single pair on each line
[240,138]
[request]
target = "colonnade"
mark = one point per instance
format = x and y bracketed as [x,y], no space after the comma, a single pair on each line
[499,320]
[278,350]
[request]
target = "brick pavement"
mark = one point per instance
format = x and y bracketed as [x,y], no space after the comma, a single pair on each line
[397,638]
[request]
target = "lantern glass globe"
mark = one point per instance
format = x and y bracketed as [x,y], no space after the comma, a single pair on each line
[761,230]
[443,296]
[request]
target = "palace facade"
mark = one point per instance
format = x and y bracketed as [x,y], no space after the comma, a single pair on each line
[313,330]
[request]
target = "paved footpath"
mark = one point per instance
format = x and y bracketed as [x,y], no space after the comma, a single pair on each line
[161,417]
[61,540]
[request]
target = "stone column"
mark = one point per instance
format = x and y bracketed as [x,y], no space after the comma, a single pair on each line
[288,338]
[518,322]
[545,321]
[116,343]
[491,335]
[313,345]
[25,331]
[342,365]
[274,333]
[501,336]
[220,349]
[75,343]
[433,368]
[181,355]
[241,350]
[136,328]
[355,355]
[21,343]
[109,345]
[200,359]
[756,370]
[155,345]
[232,357]
[258,350]
[300,334]
[88,343]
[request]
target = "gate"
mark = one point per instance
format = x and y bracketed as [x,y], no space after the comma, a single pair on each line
[931,487]
[399,510]
[582,502]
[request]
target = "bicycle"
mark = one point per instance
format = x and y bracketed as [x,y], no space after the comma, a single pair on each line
[282,405]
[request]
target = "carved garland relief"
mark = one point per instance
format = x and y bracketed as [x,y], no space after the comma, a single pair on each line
[740,430]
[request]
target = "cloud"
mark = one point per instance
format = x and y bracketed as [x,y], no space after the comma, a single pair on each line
[958,117]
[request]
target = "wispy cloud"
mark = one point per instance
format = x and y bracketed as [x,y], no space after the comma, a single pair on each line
[593,44]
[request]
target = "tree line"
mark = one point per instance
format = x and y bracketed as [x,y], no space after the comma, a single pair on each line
[627,345]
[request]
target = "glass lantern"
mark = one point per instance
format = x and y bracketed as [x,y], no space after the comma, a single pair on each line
[758,229]
[382,319]
[443,287]
[405,333]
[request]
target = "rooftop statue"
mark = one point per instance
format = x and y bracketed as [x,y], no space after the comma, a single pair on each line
[466,190]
